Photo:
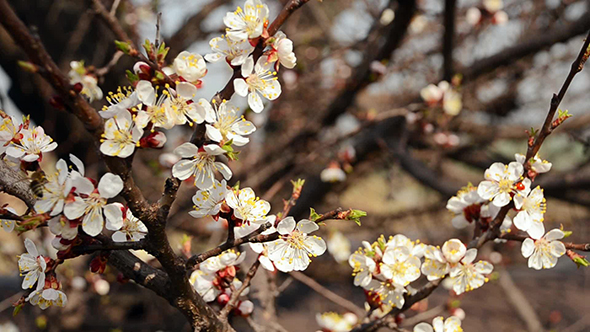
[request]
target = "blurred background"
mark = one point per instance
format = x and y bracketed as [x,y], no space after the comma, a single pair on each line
[351,121]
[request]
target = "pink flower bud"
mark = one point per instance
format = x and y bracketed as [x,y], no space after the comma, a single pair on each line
[155,140]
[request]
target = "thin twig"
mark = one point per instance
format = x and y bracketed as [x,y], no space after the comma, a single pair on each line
[328,294]
[231,304]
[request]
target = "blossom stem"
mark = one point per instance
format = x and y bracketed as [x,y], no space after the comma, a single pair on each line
[231,304]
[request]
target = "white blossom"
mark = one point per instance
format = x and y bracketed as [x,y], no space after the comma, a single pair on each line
[180,107]
[208,202]
[390,294]
[399,266]
[228,125]
[155,112]
[55,191]
[203,284]
[400,240]
[236,52]
[91,205]
[258,79]
[467,276]
[221,261]
[89,83]
[544,252]
[338,246]
[126,225]
[439,324]
[532,206]
[62,227]
[125,98]
[538,165]
[32,266]
[191,67]
[465,206]
[501,182]
[333,322]
[32,145]
[8,224]
[282,50]
[247,23]
[47,297]
[8,131]
[292,251]
[247,207]
[363,268]
[120,136]
[200,163]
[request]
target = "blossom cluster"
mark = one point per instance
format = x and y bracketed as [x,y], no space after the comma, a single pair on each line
[386,268]
[505,184]
[214,278]
[23,142]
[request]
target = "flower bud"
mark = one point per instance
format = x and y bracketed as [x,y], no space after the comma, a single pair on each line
[155,140]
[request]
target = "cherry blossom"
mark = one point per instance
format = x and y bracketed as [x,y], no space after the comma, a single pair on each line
[282,50]
[155,112]
[501,182]
[544,252]
[62,227]
[94,200]
[8,132]
[333,322]
[538,165]
[191,67]
[229,126]
[125,98]
[48,297]
[363,268]
[258,79]
[208,202]
[126,225]
[532,207]
[8,224]
[439,324]
[121,135]
[416,249]
[236,52]
[247,23]
[465,206]
[247,207]
[399,266]
[390,294]
[55,191]
[338,246]
[180,106]
[90,88]
[32,266]
[467,276]
[292,251]
[32,145]
[200,163]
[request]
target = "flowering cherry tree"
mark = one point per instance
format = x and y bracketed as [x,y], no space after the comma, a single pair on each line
[108,216]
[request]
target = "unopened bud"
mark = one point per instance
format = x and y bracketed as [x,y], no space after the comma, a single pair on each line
[28,66]
[155,140]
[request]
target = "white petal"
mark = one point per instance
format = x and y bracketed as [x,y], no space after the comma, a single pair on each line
[110,185]
[286,226]
[527,248]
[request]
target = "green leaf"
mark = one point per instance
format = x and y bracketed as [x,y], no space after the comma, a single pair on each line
[356,215]
[132,77]
[581,261]
[313,216]
[17,309]
[123,46]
